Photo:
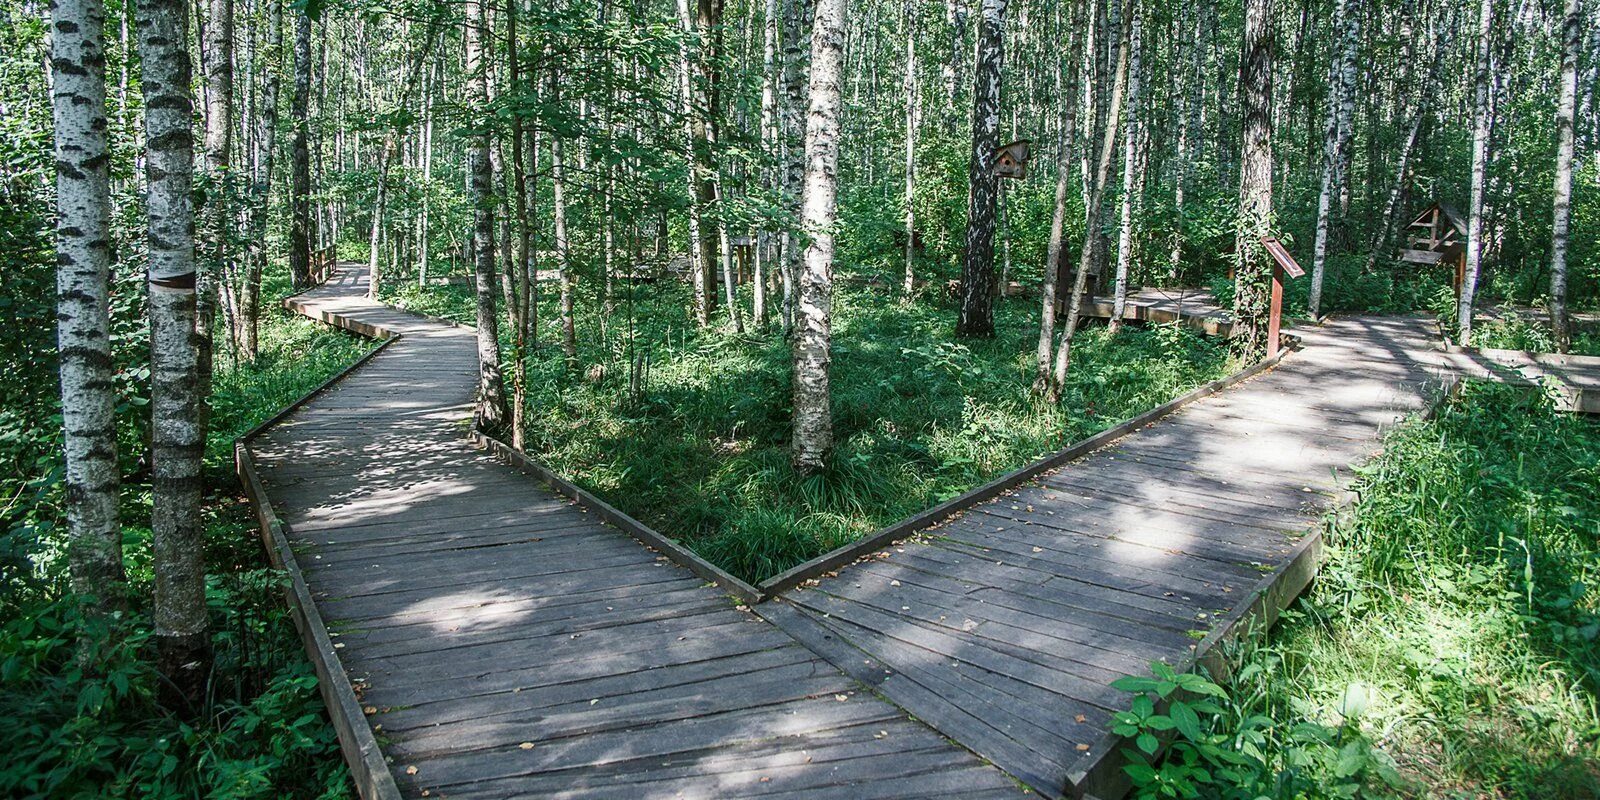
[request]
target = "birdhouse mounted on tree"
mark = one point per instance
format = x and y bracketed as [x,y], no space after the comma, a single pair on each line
[1011,160]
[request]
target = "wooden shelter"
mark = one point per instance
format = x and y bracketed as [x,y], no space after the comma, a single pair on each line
[1437,236]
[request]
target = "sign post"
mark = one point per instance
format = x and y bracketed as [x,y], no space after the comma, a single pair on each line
[1282,263]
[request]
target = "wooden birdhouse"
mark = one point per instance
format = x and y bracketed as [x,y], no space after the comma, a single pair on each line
[1011,160]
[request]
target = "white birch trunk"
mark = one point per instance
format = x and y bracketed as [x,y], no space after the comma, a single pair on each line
[813,420]
[1480,164]
[177,432]
[83,321]
[1570,40]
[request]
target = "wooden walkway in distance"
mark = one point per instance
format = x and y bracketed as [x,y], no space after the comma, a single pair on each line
[1195,308]
[1004,626]
[506,644]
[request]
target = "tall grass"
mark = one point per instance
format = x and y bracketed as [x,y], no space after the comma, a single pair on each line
[1451,645]
[919,416]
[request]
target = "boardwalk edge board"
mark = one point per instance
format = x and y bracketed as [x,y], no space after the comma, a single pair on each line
[909,526]
[357,742]
[368,770]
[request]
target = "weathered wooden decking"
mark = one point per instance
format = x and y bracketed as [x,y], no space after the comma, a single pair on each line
[506,643]
[1005,626]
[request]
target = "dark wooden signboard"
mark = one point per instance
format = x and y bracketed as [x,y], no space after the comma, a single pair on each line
[1281,255]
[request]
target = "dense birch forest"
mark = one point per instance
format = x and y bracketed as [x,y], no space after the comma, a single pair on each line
[770,275]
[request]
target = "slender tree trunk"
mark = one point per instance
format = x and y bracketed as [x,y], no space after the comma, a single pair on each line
[569,339]
[177,431]
[300,156]
[390,149]
[813,420]
[519,172]
[218,214]
[796,50]
[977,263]
[426,156]
[955,15]
[1097,193]
[1341,90]
[1251,281]
[1481,121]
[1067,159]
[1130,164]
[491,407]
[771,138]
[83,320]
[698,109]
[264,137]
[910,89]
[1571,38]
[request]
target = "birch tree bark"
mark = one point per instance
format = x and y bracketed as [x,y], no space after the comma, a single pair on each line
[1341,100]
[977,262]
[300,156]
[813,419]
[263,137]
[219,101]
[1571,38]
[1130,164]
[1251,281]
[1067,162]
[389,150]
[83,319]
[909,85]
[796,52]
[177,431]
[491,406]
[1097,193]
[1480,163]
[569,336]
[767,247]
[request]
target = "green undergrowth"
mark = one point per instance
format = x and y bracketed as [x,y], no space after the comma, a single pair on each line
[262,732]
[701,452]
[1451,645]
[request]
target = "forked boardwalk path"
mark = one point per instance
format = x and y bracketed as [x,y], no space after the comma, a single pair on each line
[511,645]
[506,643]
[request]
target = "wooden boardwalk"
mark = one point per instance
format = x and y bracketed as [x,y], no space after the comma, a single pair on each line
[506,643]
[1005,626]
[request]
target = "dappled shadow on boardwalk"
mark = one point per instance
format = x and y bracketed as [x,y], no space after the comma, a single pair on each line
[507,644]
[1005,626]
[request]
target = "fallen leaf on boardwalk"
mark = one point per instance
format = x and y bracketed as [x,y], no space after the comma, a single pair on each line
[370,710]
[1083,748]
[526,745]
[894,583]
[411,770]
[841,698]
[1038,549]
[1080,718]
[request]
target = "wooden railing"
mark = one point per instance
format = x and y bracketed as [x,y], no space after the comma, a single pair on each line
[322,263]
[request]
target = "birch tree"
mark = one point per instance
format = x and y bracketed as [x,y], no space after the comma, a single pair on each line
[263,139]
[909,86]
[300,155]
[1341,107]
[813,419]
[177,433]
[977,262]
[1480,164]
[1571,40]
[1067,162]
[491,406]
[83,321]
[1130,164]
[1097,193]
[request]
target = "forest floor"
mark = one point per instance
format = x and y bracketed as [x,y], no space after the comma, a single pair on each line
[703,453]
